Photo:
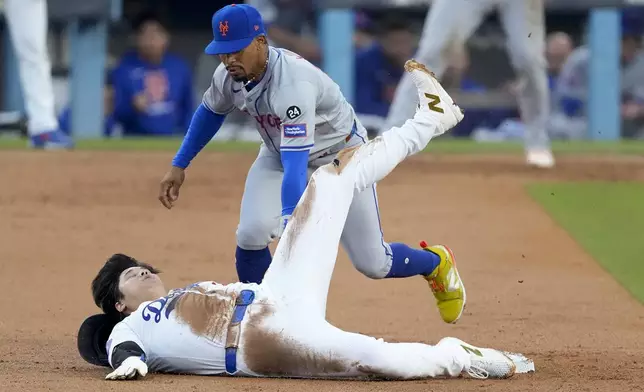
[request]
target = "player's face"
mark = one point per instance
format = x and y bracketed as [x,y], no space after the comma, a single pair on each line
[630,48]
[246,63]
[152,40]
[398,45]
[138,285]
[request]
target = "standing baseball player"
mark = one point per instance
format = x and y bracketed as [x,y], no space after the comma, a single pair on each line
[450,23]
[27,21]
[278,328]
[304,121]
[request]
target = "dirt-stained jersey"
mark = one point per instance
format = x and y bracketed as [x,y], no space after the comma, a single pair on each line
[184,331]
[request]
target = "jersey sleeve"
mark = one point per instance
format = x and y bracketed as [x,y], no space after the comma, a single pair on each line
[121,333]
[572,85]
[218,98]
[296,106]
[572,81]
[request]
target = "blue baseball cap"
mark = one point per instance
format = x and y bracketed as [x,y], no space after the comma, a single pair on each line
[233,28]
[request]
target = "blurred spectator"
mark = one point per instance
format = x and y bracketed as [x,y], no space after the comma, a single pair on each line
[456,75]
[152,88]
[291,24]
[569,120]
[363,36]
[109,123]
[479,123]
[633,85]
[379,67]
[559,45]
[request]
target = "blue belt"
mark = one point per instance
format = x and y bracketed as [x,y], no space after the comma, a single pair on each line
[244,299]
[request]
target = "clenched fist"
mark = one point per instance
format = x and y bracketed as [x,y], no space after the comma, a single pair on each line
[172,181]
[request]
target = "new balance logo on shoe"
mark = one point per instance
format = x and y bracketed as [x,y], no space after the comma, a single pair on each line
[472,350]
[453,282]
[433,104]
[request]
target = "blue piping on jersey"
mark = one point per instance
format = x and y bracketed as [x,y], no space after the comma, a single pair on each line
[375,199]
[279,54]
[257,111]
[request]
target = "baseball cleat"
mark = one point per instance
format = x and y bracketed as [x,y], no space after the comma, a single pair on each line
[485,362]
[540,158]
[446,284]
[52,140]
[433,99]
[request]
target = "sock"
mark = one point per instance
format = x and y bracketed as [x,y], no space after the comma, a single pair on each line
[252,264]
[411,262]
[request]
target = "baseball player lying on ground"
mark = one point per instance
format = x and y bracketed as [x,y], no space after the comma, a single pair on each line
[278,328]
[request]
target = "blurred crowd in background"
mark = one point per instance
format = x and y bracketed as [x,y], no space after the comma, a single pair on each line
[165,45]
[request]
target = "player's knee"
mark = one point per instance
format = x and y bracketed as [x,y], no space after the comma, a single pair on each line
[254,236]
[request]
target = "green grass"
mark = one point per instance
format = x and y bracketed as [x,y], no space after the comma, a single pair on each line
[606,219]
[440,145]
[134,144]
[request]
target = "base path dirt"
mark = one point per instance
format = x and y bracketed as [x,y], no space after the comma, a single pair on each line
[531,288]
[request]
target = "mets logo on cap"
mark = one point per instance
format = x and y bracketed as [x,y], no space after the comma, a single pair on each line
[234,27]
[223,28]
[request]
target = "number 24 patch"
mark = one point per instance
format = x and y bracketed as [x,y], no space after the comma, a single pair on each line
[293,112]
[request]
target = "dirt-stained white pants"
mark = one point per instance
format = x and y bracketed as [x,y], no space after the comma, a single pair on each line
[295,340]
[27,21]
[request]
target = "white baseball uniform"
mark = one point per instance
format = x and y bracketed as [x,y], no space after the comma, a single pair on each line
[27,21]
[298,107]
[449,23]
[284,331]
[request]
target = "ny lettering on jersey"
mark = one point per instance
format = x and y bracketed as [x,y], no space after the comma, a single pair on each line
[269,121]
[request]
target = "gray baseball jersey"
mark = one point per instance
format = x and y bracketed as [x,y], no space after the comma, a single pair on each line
[296,105]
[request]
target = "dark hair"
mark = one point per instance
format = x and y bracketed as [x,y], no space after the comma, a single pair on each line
[389,24]
[144,17]
[105,286]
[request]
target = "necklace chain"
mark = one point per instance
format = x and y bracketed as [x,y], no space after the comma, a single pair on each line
[261,72]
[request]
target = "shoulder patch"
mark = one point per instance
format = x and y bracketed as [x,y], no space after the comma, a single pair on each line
[293,112]
[294,130]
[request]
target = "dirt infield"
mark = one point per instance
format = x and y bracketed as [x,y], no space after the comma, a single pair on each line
[531,288]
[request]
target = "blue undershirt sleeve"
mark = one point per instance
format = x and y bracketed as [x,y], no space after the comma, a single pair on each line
[203,126]
[295,165]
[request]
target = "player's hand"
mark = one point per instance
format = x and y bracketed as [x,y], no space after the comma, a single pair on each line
[131,368]
[172,181]
[283,222]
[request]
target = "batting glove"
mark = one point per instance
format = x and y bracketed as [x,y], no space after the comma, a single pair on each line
[131,368]
[283,222]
